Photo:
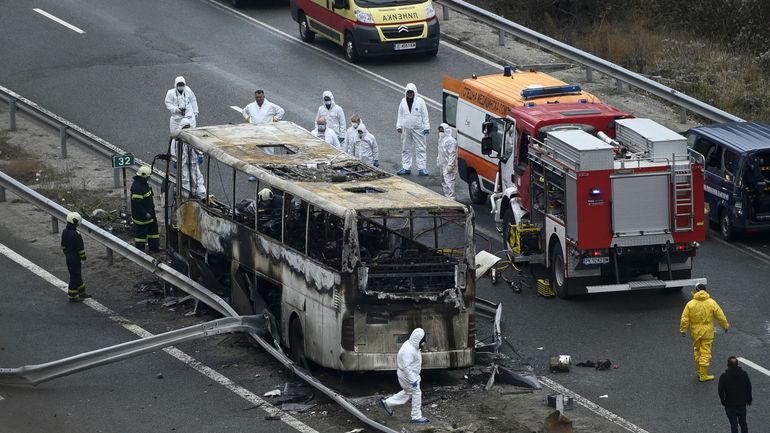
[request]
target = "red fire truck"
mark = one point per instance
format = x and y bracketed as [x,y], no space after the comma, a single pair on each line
[602,214]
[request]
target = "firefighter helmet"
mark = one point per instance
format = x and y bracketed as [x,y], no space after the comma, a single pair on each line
[144,171]
[265,195]
[73,218]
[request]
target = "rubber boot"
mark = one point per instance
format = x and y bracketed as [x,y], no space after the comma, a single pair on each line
[703,374]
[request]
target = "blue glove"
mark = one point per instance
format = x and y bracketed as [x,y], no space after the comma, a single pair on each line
[415,383]
[425,131]
[376,163]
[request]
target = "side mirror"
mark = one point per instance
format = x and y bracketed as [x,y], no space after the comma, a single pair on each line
[340,4]
[487,128]
[487,146]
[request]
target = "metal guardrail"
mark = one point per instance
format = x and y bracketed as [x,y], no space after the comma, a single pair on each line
[120,352]
[67,130]
[589,61]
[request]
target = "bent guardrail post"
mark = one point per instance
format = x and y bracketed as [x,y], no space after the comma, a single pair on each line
[37,374]
[591,61]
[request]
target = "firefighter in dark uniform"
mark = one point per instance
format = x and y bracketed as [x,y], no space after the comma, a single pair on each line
[143,211]
[74,252]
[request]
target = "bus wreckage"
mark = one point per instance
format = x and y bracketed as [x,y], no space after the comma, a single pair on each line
[343,259]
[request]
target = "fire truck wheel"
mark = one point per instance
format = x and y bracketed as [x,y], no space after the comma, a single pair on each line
[474,189]
[305,33]
[507,221]
[726,226]
[558,280]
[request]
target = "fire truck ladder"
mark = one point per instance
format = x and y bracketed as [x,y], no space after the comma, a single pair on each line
[683,197]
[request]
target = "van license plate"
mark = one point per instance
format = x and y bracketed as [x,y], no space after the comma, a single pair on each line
[405,46]
[595,260]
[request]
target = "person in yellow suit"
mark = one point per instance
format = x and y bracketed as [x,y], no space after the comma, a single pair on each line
[698,316]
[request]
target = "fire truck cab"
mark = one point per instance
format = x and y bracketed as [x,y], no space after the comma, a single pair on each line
[602,214]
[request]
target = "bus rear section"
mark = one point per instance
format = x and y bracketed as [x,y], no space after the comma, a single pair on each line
[468,103]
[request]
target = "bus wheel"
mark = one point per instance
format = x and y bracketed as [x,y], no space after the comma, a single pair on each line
[297,342]
[558,279]
[305,33]
[726,225]
[351,52]
[474,189]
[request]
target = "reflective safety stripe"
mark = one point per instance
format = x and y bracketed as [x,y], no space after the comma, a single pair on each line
[153,236]
[138,196]
[141,222]
[140,240]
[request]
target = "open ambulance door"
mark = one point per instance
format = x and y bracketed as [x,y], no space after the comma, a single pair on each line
[450,96]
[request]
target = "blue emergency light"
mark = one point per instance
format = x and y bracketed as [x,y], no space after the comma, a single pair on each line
[537,92]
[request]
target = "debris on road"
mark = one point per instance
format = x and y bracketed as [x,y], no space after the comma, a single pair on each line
[273,393]
[560,363]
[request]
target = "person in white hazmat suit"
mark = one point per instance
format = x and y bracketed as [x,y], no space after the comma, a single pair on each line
[262,110]
[409,362]
[323,132]
[413,125]
[334,114]
[366,147]
[190,166]
[351,135]
[182,104]
[446,160]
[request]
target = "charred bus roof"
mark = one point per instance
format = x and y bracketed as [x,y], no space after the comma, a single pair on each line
[286,156]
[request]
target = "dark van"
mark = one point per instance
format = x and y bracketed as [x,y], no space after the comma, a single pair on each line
[737,180]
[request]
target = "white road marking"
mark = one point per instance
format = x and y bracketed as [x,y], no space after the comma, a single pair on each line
[755,366]
[593,407]
[59,20]
[746,250]
[470,54]
[176,353]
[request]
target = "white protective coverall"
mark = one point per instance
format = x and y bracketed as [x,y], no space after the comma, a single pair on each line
[335,116]
[351,137]
[366,146]
[328,136]
[446,160]
[267,113]
[413,124]
[176,101]
[198,186]
[409,362]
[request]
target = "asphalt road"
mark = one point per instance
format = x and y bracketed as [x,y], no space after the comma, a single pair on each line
[154,392]
[111,80]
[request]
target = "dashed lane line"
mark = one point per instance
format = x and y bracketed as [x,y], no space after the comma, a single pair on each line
[188,360]
[59,20]
[745,249]
[754,365]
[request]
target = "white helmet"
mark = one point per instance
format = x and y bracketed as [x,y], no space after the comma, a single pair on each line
[73,218]
[265,195]
[144,171]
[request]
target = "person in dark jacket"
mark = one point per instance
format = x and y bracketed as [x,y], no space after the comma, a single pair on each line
[143,211]
[735,394]
[74,253]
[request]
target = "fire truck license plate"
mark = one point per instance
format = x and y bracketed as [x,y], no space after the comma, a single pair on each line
[405,46]
[595,260]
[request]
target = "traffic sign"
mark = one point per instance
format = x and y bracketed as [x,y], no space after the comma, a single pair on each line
[124,160]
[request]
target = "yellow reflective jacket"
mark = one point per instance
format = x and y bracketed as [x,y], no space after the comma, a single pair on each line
[699,315]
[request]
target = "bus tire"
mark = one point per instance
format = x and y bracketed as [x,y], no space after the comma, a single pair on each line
[305,33]
[297,343]
[474,188]
[351,50]
[558,278]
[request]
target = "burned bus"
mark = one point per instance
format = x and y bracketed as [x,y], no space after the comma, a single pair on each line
[342,259]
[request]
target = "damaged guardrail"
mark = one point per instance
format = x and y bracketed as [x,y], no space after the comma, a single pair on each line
[590,61]
[116,353]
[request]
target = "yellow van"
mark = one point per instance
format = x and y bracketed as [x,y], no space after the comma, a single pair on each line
[370,27]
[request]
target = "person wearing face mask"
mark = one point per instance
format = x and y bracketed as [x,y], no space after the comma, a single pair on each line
[262,110]
[366,147]
[446,160]
[351,135]
[413,125]
[182,104]
[409,361]
[334,114]
[324,133]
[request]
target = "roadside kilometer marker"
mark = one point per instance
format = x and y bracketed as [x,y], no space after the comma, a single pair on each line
[757,367]
[59,20]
